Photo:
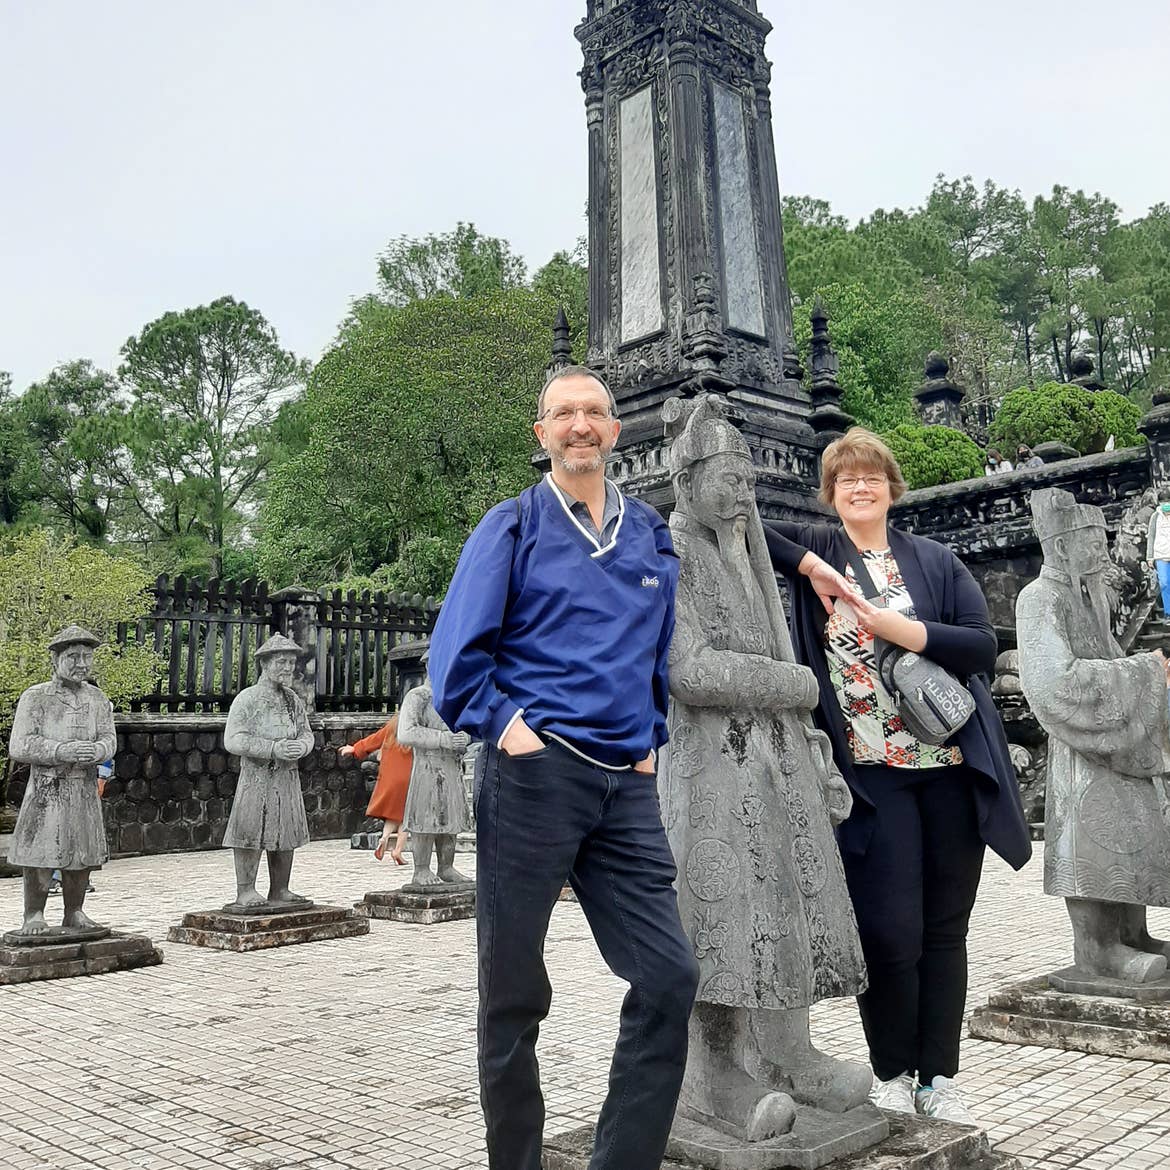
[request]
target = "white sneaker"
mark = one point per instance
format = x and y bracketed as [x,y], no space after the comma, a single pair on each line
[897,1094]
[942,1101]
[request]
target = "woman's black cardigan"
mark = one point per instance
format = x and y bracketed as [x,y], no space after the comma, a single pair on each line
[949,602]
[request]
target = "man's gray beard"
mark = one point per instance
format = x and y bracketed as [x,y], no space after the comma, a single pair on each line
[595,464]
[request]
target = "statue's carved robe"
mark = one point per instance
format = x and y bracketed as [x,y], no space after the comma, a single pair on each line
[268,811]
[1106,833]
[60,822]
[761,889]
[435,801]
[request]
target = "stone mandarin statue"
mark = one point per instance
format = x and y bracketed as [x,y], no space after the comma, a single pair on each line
[268,728]
[750,796]
[1107,833]
[63,729]
[436,805]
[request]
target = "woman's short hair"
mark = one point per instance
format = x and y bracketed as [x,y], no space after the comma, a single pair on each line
[859,450]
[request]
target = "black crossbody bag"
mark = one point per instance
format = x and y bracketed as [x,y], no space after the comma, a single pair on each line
[931,701]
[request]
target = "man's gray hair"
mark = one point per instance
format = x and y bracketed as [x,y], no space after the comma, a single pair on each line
[575,372]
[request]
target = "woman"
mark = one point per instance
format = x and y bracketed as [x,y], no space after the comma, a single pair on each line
[388,800]
[922,815]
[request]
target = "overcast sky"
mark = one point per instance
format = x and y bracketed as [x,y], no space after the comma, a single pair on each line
[156,155]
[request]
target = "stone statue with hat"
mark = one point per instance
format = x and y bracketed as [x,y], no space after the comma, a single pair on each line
[750,796]
[436,803]
[62,729]
[268,728]
[1107,813]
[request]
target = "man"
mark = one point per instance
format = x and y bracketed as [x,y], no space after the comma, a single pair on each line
[552,647]
[750,794]
[1106,836]
[63,729]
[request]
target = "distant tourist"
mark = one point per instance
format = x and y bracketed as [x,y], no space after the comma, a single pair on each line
[1158,549]
[922,815]
[996,463]
[552,647]
[388,800]
[1026,457]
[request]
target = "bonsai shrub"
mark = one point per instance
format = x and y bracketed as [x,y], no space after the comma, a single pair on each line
[934,455]
[1056,411]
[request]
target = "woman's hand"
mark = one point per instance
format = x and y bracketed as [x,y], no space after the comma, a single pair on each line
[345,751]
[889,625]
[827,583]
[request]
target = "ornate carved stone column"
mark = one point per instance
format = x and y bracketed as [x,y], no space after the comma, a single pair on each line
[827,418]
[688,285]
[938,399]
[1156,427]
[598,181]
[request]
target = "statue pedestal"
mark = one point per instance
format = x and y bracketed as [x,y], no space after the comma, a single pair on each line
[22,962]
[1134,1025]
[816,1139]
[913,1143]
[258,932]
[423,905]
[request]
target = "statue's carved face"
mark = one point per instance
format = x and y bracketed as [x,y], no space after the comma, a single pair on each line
[1083,552]
[722,488]
[73,664]
[281,666]
[577,428]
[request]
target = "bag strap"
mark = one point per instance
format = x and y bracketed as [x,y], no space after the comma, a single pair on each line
[860,572]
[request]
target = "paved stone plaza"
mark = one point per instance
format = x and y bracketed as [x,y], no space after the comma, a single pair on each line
[361,1052]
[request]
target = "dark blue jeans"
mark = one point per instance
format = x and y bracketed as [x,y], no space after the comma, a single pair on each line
[542,818]
[913,891]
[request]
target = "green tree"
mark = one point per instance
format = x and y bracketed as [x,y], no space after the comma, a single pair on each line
[881,342]
[207,384]
[73,419]
[19,471]
[460,263]
[565,281]
[1070,231]
[934,455]
[419,420]
[46,582]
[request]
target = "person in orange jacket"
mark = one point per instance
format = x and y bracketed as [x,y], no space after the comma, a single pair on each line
[389,797]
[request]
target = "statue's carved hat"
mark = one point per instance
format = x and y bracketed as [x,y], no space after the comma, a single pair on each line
[1056,512]
[698,428]
[72,636]
[278,644]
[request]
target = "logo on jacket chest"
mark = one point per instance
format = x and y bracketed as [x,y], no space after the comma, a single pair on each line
[649,582]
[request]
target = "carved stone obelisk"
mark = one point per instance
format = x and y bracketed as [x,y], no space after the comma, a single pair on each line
[688,286]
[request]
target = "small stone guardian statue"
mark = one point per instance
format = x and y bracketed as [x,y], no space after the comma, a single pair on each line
[1107,833]
[268,728]
[749,795]
[62,729]
[436,805]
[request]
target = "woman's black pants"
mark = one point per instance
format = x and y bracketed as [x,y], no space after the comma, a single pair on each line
[913,890]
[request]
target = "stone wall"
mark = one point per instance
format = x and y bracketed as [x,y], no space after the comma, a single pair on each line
[988,524]
[173,782]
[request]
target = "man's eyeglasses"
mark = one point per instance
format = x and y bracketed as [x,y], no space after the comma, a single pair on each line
[849,482]
[564,414]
